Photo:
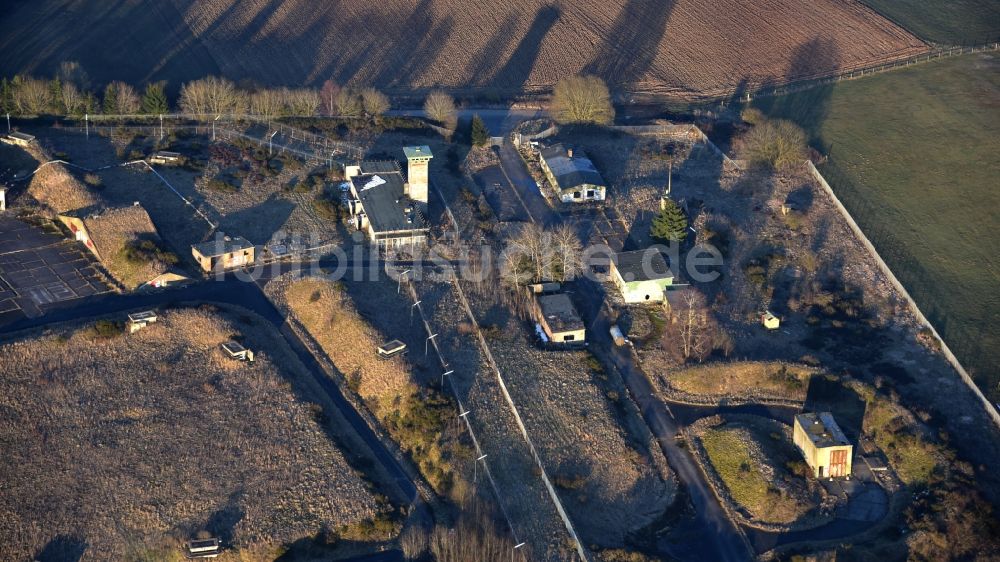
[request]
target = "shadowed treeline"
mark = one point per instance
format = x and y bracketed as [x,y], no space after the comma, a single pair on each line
[402,46]
[633,43]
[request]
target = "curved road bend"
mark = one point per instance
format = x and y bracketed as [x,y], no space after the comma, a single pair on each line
[724,541]
[247,295]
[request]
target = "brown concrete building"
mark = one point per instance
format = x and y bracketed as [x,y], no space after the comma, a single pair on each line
[824,446]
[225,252]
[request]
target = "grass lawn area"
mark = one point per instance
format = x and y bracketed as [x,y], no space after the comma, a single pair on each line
[771,378]
[731,459]
[913,157]
[955,21]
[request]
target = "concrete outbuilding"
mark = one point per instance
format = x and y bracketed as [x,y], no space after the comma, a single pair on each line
[558,319]
[824,446]
[225,252]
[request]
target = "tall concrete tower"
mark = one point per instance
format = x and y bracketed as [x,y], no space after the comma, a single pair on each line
[418,160]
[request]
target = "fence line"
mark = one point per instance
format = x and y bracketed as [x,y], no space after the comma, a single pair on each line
[461,410]
[946,351]
[520,424]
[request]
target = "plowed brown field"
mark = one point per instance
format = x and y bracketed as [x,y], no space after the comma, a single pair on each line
[680,47]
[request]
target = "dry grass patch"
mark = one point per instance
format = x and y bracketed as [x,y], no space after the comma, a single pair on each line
[749,480]
[416,417]
[55,187]
[124,442]
[769,378]
[129,245]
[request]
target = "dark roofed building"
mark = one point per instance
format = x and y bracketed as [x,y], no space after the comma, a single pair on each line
[382,205]
[223,252]
[558,318]
[572,174]
[642,275]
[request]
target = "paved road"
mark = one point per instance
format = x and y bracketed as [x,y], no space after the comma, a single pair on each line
[247,295]
[724,541]
[499,122]
[525,187]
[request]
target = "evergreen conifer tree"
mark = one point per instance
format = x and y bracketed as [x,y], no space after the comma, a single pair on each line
[154,100]
[670,224]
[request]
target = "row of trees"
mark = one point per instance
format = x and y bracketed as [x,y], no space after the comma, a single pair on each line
[68,94]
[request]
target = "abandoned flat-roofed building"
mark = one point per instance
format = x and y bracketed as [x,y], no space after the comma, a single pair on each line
[18,139]
[165,157]
[824,446]
[641,276]
[389,208]
[222,253]
[559,319]
[572,174]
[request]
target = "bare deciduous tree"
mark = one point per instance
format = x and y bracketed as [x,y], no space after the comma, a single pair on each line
[328,97]
[774,143]
[126,101]
[440,107]
[31,96]
[375,103]
[474,537]
[536,254]
[693,330]
[348,103]
[72,99]
[301,102]
[70,72]
[212,95]
[266,103]
[582,99]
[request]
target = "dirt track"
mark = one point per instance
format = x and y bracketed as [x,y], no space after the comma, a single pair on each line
[682,47]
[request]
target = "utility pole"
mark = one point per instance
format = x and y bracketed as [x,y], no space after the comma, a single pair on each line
[269,153]
[161,126]
[86,123]
[399,283]
[445,374]
[475,465]
[213,126]
[426,343]
[415,305]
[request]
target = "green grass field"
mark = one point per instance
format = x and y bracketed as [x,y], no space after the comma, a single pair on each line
[952,22]
[913,156]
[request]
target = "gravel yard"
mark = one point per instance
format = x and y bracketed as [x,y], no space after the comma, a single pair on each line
[522,492]
[148,438]
[594,444]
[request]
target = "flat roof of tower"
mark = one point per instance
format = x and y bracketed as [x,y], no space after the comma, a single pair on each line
[417,152]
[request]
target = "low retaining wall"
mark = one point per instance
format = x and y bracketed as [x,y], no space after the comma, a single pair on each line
[945,350]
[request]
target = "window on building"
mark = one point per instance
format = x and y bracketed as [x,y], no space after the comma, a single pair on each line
[569,337]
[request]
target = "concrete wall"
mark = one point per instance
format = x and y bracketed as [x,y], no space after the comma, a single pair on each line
[991,410]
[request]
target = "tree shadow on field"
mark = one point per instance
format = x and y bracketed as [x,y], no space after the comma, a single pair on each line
[62,548]
[481,68]
[632,42]
[809,109]
[517,69]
